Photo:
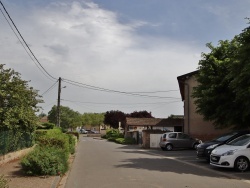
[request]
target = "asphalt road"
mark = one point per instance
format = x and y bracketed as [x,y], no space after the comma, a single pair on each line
[102,164]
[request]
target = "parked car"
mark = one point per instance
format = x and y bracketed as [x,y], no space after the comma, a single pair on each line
[83,131]
[235,154]
[204,150]
[172,140]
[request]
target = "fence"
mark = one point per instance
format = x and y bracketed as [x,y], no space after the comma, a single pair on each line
[14,140]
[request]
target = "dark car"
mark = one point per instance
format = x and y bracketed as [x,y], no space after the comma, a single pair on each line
[204,149]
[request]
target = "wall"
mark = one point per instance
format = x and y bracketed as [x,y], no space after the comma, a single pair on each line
[14,155]
[193,122]
[147,134]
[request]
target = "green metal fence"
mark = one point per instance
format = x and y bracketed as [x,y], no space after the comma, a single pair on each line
[14,140]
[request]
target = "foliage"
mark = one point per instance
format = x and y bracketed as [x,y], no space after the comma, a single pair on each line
[74,133]
[69,118]
[45,161]
[18,101]
[113,133]
[93,119]
[222,95]
[14,140]
[125,141]
[51,155]
[47,125]
[141,114]
[55,138]
[113,118]
[3,182]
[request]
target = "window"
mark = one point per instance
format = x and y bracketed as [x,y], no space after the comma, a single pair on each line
[172,135]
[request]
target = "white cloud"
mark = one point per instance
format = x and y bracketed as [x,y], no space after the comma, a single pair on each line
[82,42]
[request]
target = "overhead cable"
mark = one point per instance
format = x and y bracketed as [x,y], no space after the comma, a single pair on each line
[43,69]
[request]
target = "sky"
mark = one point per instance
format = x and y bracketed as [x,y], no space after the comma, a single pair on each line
[114,54]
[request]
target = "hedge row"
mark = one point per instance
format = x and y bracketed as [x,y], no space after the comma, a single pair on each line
[50,156]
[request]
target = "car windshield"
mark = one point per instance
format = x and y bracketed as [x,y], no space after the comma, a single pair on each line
[225,137]
[240,141]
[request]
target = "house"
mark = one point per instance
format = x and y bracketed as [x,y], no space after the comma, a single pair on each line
[147,131]
[193,122]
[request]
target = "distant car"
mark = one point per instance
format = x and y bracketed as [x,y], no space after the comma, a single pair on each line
[172,140]
[83,131]
[204,150]
[235,154]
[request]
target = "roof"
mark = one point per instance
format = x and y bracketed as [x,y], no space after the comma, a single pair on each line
[181,81]
[157,122]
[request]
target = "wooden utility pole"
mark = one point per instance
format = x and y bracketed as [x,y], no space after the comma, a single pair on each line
[58,103]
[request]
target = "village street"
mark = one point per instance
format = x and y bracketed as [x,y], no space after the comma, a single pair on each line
[103,164]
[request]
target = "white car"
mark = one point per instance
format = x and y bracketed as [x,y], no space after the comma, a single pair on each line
[235,154]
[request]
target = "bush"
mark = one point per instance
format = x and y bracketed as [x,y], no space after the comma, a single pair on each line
[3,182]
[45,161]
[47,126]
[72,143]
[74,133]
[113,133]
[126,141]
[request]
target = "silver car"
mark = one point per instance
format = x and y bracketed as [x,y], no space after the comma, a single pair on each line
[172,140]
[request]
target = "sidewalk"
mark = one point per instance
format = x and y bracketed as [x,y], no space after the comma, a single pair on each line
[17,179]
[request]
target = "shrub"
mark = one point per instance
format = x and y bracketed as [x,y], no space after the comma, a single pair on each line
[72,143]
[3,182]
[48,125]
[113,133]
[74,133]
[126,141]
[45,161]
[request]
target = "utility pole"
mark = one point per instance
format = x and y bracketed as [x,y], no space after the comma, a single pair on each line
[58,103]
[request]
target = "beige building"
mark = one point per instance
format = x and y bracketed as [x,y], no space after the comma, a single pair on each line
[193,122]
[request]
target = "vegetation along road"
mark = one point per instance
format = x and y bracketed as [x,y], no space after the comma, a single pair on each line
[99,163]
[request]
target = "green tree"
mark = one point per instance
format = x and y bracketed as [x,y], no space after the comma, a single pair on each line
[222,93]
[18,102]
[68,117]
[92,119]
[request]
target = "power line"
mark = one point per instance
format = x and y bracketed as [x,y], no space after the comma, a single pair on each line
[112,91]
[118,103]
[50,88]
[42,68]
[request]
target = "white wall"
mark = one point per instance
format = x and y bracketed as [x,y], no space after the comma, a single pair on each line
[155,140]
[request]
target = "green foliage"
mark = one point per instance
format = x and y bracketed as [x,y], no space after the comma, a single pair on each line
[74,133]
[45,161]
[14,140]
[72,142]
[69,118]
[3,182]
[55,138]
[48,125]
[18,102]
[92,119]
[125,141]
[222,95]
[113,133]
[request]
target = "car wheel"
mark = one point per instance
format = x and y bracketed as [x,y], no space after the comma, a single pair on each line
[195,146]
[241,164]
[168,147]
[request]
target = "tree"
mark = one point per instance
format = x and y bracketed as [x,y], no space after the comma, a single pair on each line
[18,102]
[113,118]
[68,117]
[222,95]
[141,114]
